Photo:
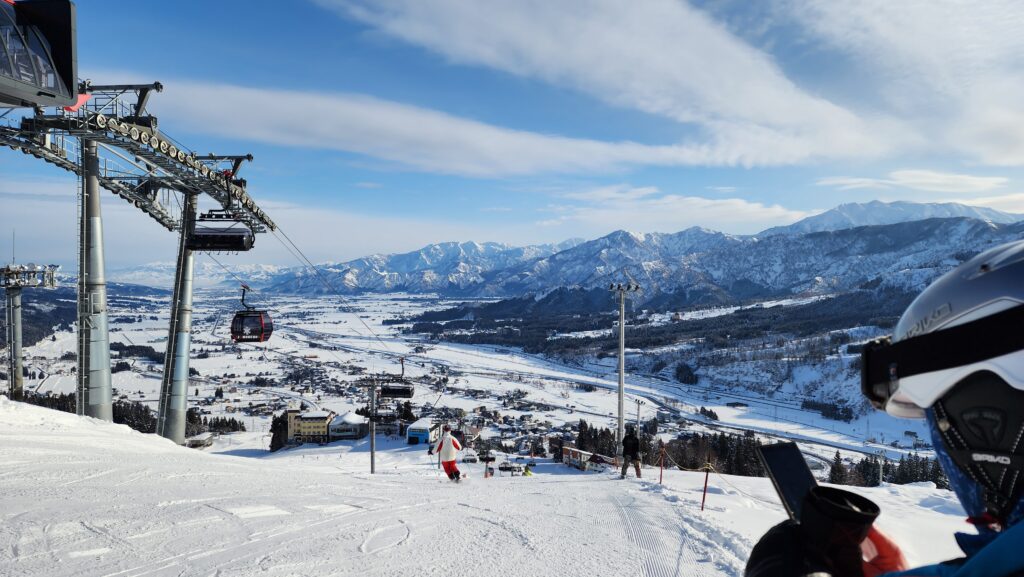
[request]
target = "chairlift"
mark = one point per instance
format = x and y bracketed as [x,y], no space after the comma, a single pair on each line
[220,231]
[251,325]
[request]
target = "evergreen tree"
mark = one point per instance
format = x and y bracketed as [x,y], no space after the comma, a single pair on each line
[195,424]
[278,432]
[407,413]
[937,475]
[685,374]
[837,473]
[555,444]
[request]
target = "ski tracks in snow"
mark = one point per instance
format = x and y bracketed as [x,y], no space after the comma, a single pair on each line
[384,538]
[683,545]
[655,551]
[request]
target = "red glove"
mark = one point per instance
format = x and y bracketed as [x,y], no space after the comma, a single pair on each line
[881,554]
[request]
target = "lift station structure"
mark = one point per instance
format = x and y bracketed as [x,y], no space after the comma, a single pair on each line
[14,278]
[110,141]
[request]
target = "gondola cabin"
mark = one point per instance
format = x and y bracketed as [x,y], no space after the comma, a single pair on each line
[396,391]
[221,239]
[220,231]
[251,326]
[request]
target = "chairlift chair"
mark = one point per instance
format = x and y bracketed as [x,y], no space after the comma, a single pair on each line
[251,325]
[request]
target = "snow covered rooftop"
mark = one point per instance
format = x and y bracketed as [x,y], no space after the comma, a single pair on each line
[315,415]
[349,418]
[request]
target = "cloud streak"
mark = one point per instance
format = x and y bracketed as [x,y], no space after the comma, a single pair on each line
[661,57]
[953,69]
[421,139]
[647,209]
[928,180]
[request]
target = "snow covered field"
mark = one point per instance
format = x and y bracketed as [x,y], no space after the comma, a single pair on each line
[82,497]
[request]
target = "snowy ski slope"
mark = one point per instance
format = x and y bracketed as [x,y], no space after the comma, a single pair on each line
[81,497]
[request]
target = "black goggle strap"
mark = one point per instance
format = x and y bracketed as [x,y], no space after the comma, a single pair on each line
[986,338]
[999,501]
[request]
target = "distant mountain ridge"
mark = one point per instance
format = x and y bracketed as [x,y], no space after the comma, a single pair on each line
[693,266]
[443,267]
[877,212]
[205,274]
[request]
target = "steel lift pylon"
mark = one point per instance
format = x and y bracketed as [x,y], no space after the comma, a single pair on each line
[112,142]
[14,278]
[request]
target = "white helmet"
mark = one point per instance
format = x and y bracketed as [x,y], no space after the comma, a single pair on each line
[967,321]
[957,359]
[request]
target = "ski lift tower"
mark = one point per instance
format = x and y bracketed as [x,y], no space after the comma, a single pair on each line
[14,278]
[110,141]
[106,136]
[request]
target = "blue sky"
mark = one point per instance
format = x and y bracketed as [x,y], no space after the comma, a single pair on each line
[381,126]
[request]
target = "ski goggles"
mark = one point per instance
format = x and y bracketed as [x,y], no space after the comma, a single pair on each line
[888,366]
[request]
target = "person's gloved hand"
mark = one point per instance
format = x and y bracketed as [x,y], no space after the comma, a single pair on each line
[833,524]
[881,554]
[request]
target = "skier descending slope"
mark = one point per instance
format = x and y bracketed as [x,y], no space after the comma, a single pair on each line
[957,360]
[446,449]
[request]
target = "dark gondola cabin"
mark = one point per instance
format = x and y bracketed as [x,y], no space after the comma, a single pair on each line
[397,391]
[251,326]
[220,231]
[221,239]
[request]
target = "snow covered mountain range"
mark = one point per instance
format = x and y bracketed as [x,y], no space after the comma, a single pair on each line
[900,243]
[444,267]
[877,212]
[206,274]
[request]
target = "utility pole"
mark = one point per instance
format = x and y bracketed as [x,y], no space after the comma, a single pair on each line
[373,427]
[622,290]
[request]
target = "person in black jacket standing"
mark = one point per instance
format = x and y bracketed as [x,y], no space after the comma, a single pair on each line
[630,452]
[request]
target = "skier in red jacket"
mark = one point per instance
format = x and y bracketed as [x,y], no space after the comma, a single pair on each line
[447,448]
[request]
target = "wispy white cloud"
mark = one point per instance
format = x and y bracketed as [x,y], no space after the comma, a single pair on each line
[1012,203]
[648,209]
[928,180]
[616,193]
[952,69]
[722,189]
[44,214]
[662,57]
[944,75]
[853,182]
[428,140]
